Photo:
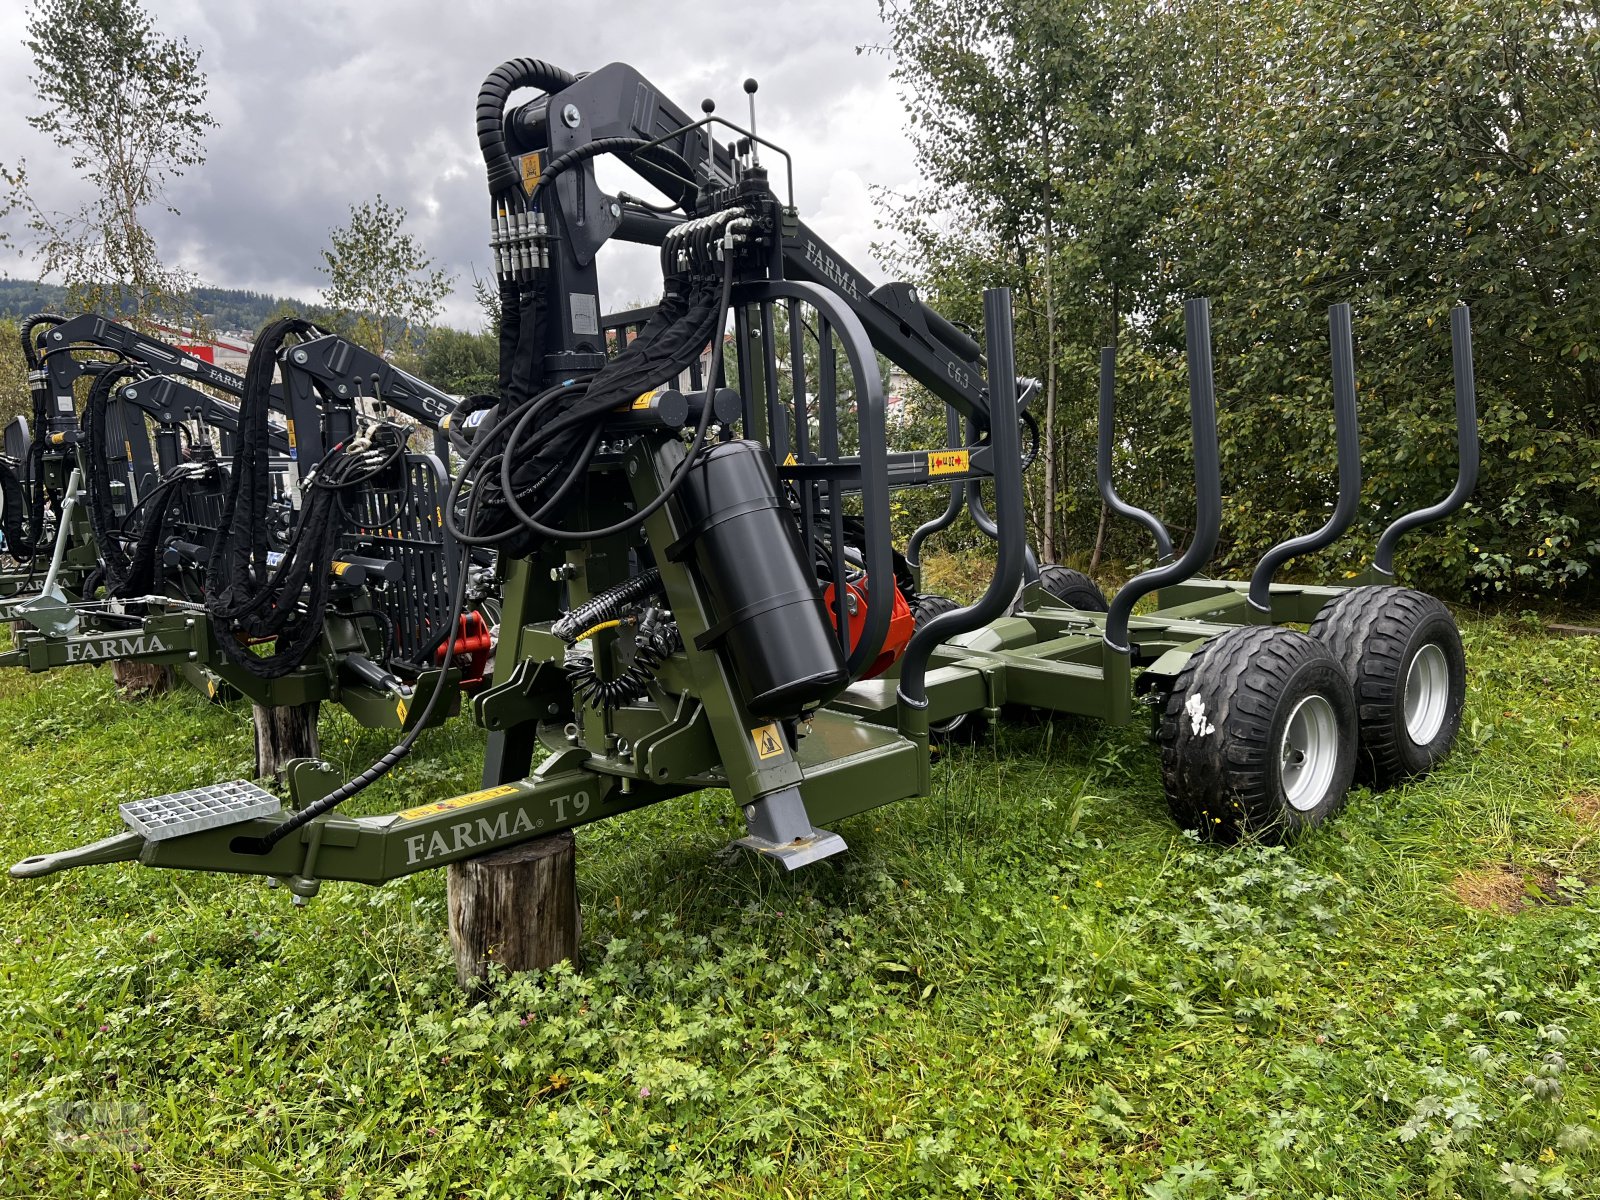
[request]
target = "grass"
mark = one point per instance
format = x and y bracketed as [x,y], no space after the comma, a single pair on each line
[1026,984]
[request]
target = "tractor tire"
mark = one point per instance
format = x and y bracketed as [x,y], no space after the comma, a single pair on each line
[1258,736]
[963,727]
[1402,651]
[1073,588]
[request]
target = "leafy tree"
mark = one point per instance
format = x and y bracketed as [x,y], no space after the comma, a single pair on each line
[1056,182]
[15,399]
[1402,158]
[464,364]
[127,103]
[380,280]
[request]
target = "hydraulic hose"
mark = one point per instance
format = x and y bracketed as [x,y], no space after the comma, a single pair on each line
[607,605]
[492,97]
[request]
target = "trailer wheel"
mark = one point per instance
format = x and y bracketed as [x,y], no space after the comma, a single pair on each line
[963,727]
[1258,736]
[1402,651]
[1073,588]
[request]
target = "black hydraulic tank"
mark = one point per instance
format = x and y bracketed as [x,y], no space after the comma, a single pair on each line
[765,604]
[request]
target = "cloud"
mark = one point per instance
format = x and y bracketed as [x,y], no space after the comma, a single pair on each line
[323,106]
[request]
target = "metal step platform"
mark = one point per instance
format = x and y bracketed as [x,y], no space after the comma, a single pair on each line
[209,807]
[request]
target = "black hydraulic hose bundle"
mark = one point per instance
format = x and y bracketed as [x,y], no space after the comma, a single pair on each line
[22,516]
[18,527]
[519,302]
[386,762]
[286,604]
[116,564]
[566,426]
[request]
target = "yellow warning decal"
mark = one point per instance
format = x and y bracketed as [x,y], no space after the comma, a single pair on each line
[532,168]
[339,568]
[127,448]
[292,442]
[400,710]
[647,399]
[211,687]
[791,461]
[768,741]
[949,462]
[443,806]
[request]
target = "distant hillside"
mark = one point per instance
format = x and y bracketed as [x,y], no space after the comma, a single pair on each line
[224,308]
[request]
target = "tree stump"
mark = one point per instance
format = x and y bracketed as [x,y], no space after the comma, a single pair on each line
[517,907]
[283,733]
[135,679]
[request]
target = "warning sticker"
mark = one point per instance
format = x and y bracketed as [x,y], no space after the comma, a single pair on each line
[646,399]
[443,806]
[400,710]
[532,168]
[768,741]
[791,461]
[949,462]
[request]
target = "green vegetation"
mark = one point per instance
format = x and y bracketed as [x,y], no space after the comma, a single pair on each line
[1028,984]
[222,308]
[1109,158]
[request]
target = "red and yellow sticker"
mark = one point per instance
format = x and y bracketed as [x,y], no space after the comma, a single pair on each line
[444,806]
[949,462]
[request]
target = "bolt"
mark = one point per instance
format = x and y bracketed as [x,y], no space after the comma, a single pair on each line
[342,389]
[55,337]
[301,356]
[552,710]
[272,881]
[194,656]
[299,901]
[133,393]
[633,467]
[571,116]
[616,209]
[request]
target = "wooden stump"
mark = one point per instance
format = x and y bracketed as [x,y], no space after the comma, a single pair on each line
[284,733]
[141,679]
[517,907]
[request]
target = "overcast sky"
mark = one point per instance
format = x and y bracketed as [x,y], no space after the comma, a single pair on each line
[323,105]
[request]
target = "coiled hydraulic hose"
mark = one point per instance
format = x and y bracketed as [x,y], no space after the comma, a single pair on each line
[608,605]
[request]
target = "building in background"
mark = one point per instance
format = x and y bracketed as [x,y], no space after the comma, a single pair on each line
[230,351]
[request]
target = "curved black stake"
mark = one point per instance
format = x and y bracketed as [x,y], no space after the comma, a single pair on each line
[982,519]
[1466,445]
[1348,437]
[1207,480]
[958,495]
[1108,491]
[1009,509]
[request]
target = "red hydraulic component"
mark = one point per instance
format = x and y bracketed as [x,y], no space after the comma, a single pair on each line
[901,622]
[473,645]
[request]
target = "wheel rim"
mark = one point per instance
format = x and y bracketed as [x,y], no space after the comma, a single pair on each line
[1427,694]
[1309,752]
